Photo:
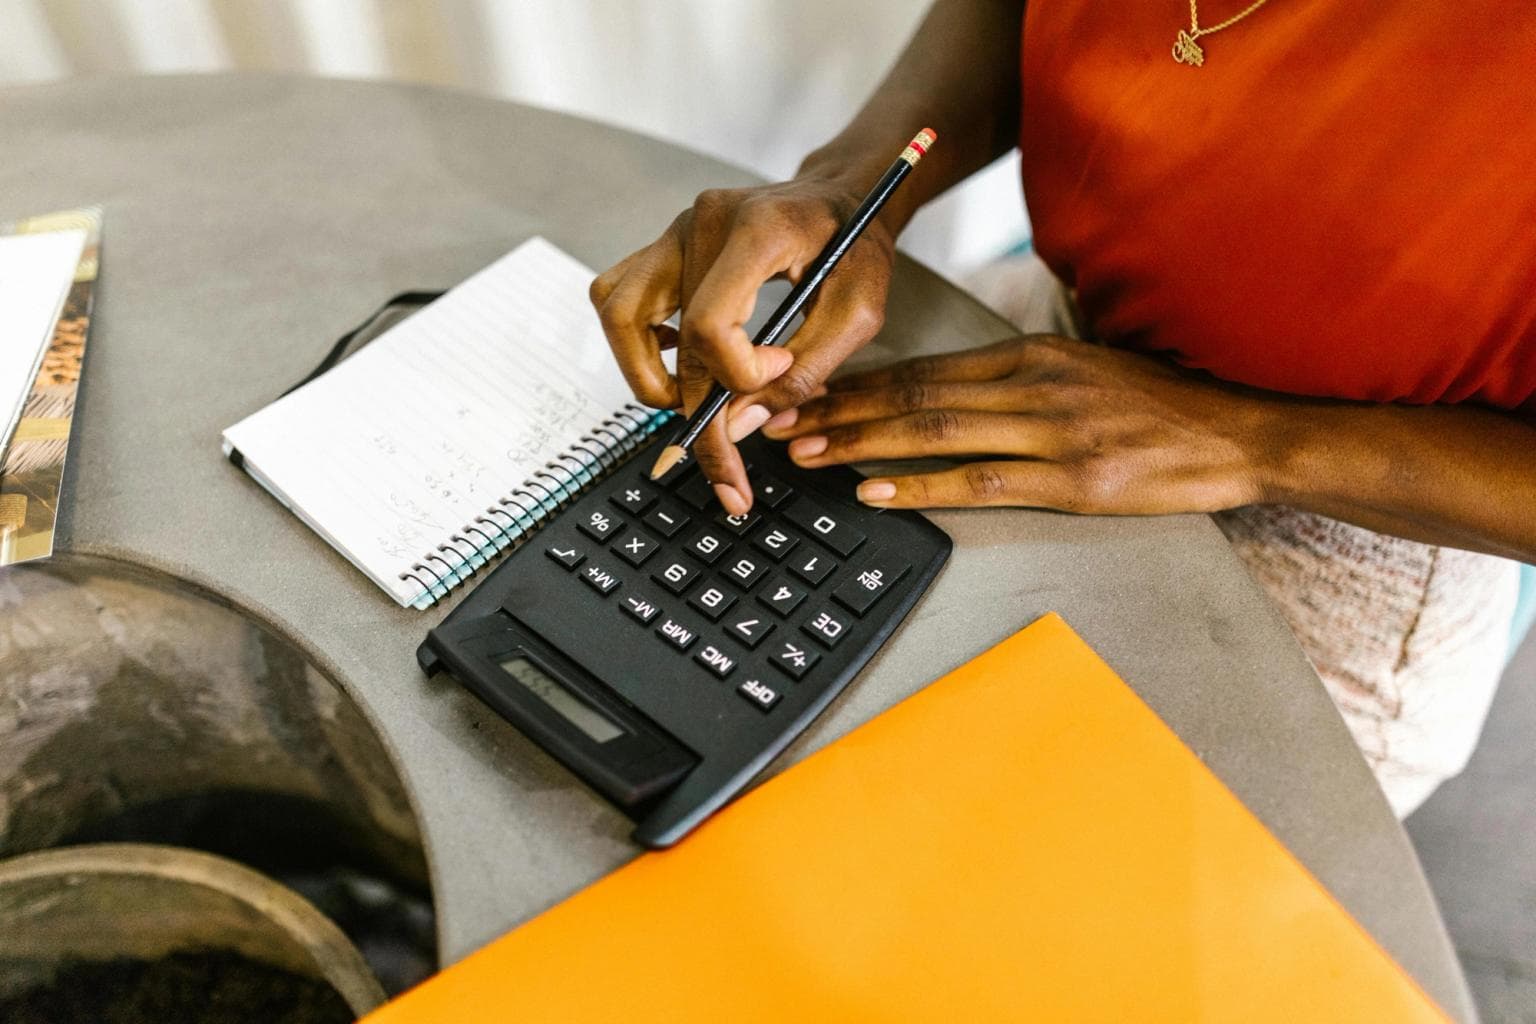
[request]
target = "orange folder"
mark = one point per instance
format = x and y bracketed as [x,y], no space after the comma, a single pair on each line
[1024,840]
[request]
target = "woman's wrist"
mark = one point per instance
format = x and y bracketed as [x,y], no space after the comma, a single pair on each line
[1279,442]
[853,165]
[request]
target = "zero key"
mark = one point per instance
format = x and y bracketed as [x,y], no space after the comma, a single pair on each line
[838,536]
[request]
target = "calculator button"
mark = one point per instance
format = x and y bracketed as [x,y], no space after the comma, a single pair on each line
[812,565]
[794,659]
[634,498]
[666,521]
[676,576]
[774,542]
[745,570]
[750,627]
[827,627]
[874,577]
[640,608]
[759,694]
[600,525]
[567,556]
[599,579]
[781,595]
[825,527]
[716,660]
[708,546]
[673,476]
[696,491]
[712,600]
[738,525]
[636,548]
[676,634]
[771,492]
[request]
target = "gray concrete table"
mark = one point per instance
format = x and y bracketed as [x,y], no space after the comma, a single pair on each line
[250,220]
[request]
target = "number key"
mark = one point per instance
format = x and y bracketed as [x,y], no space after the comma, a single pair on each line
[712,600]
[749,626]
[837,535]
[676,576]
[708,546]
[812,565]
[781,595]
[774,542]
[745,570]
[738,525]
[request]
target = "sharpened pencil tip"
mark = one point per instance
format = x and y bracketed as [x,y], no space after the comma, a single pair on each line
[671,455]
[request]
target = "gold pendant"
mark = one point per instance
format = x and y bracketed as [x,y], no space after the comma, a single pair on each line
[1187,51]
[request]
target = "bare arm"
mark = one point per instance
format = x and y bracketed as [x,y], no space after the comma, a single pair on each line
[1452,475]
[1056,423]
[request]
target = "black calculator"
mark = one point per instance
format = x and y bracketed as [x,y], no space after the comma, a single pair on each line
[665,651]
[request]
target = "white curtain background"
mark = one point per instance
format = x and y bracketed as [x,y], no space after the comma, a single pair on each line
[755,82]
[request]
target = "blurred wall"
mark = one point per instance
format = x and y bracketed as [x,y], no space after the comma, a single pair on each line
[756,82]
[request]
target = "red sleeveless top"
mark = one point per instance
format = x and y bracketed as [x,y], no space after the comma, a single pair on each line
[1340,202]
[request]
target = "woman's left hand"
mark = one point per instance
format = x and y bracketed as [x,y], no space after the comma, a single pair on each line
[1049,422]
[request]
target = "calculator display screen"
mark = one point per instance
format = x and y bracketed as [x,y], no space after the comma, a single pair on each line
[561,700]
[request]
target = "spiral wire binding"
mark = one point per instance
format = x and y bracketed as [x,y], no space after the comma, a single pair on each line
[523,509]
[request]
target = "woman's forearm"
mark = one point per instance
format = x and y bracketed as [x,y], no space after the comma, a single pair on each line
[958,75]
[1458,476]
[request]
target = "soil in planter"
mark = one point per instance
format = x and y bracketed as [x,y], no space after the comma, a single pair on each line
[184,988]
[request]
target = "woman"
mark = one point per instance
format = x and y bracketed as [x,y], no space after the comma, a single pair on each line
[1305,235]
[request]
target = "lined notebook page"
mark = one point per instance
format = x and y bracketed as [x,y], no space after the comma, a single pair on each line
[413,437]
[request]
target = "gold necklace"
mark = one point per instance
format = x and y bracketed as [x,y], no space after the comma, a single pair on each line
[1187,51]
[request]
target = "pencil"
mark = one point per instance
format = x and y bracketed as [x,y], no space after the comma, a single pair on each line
[773,331]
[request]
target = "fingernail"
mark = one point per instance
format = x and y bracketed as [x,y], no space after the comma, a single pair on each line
[744,422]
[783,421]
[731,500]
[807,447]
[876,490]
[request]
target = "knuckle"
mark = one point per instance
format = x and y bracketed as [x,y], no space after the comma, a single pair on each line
[601,287]
[712,206]
[913,371]
[705,327]
[795,386]
[765,212]
[984,481]
[865,320]
[936,425]
[1099,483]
[652,393]
[911,397]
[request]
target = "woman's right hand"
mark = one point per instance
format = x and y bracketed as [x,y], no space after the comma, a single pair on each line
[708,265]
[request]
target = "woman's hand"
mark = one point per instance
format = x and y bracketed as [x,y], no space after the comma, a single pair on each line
[709,265]
[1051,423]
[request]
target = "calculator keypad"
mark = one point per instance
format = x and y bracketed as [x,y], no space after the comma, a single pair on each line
[781,586]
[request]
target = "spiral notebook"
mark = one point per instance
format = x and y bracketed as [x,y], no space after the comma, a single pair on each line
[457,432]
